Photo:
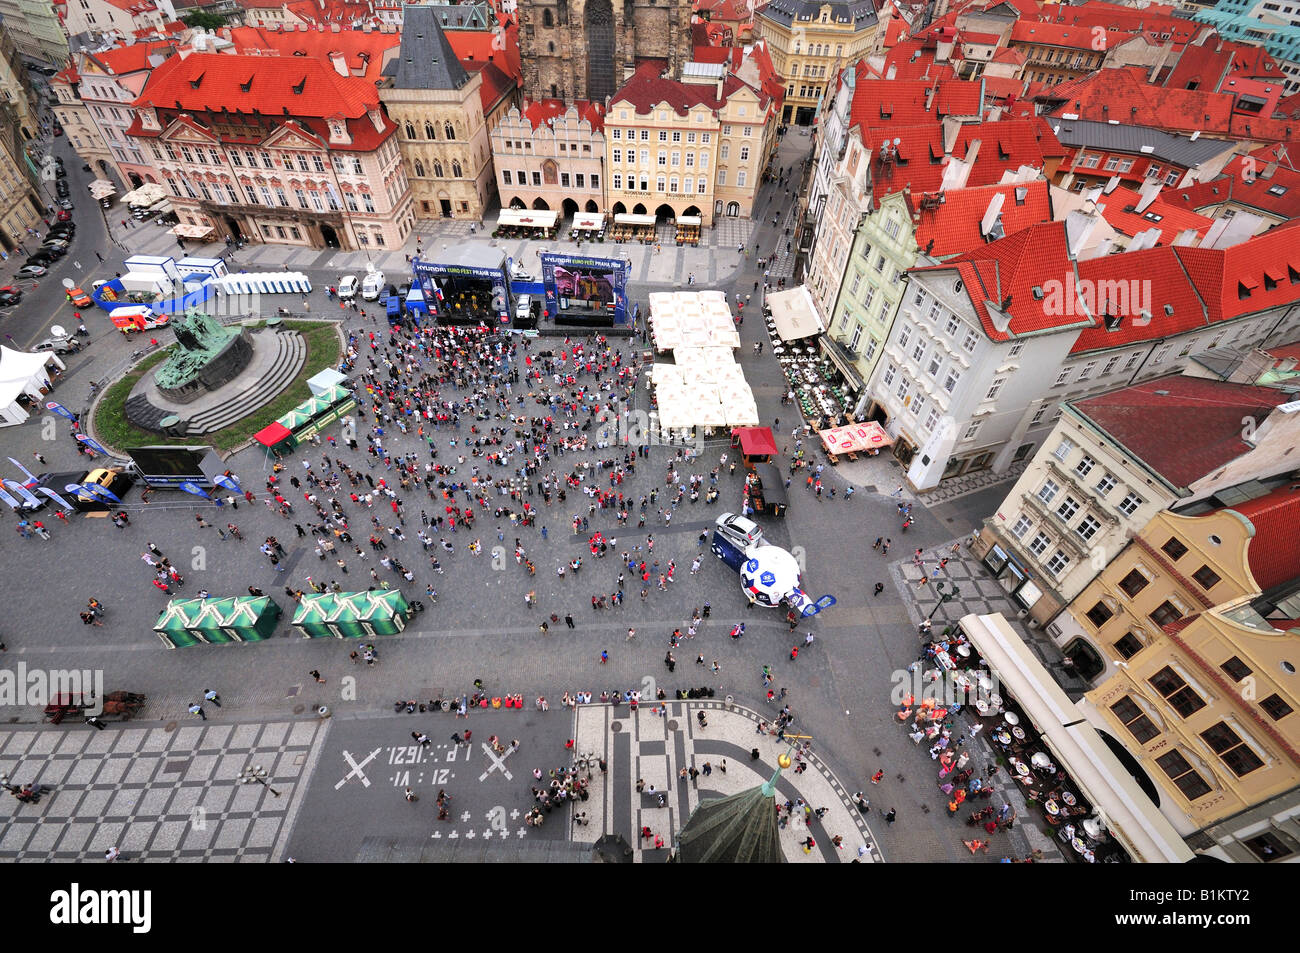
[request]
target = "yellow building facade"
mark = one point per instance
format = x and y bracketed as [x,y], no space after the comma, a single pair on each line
[1197,619]
[810,42]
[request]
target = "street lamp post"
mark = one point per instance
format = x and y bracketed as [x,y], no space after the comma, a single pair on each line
[257,774]
[943,597]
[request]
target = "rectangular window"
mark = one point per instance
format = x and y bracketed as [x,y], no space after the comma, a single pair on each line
[564,180]
[1056,565]
[1021,527]
[618,181]
[1128,506]
[1178,693]
[1236,669]
[1133,583]
[952,324]
[1039,544]
[1063,450]
[890,372]
[936,362]
[904,336]
[1084,466]
[950,379]
[994,388]
[741,177]
[1047,492]
[972,430]
[1206,577]
[1234,752]
[1062,377]
[1106,484]
[1099,614]
[1185,778]
[1087,528]
[918,352]
[618,155]
[1128,646]
[1131,717]
[1166,613]
[968,344]
[1174,548]
[1275,707]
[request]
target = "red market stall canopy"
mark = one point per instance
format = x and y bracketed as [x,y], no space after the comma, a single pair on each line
[856,438]
[273,435]
[754,441]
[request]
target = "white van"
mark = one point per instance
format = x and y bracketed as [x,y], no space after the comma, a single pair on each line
[372,285]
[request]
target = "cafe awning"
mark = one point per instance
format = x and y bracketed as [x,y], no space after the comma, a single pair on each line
[842,361]
[856,438]
[1132,818]
[688,220]
[627,218]
[589,222]
[527,218]
[794,314]
[186,230]
[102,189]
[145,195]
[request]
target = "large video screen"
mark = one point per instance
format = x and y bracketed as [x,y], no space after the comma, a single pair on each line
[578,285]
[170,461]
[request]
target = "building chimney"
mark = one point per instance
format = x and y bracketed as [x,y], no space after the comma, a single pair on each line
[929,96]
[1150,189]
[891,72]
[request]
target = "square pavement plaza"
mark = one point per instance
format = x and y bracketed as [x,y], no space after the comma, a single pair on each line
[154,793]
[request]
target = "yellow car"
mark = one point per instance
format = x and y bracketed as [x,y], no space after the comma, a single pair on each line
[79,298]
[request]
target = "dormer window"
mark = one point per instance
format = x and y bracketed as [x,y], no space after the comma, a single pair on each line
[246,85]
[298,87]
[1113,321]
[196,81]
[1243,291]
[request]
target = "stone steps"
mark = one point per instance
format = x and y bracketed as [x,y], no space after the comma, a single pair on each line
[291,354]
[142,413]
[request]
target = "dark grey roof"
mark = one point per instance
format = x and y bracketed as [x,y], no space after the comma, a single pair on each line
[425,60]
[740,829]
[862,13]
[463,16]
[1122,137]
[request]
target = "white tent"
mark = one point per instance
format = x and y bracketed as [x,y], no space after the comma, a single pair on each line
[22,372]
[794,313]
[325,381]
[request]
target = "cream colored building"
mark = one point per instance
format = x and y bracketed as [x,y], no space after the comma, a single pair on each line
[16,89]
[121,16]
[275,149]
[551,156]
[810,42]
[1198,617]
[444,116]
[695,147]
[74,116]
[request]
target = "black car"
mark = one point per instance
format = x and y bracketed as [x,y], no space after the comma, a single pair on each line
[62,189]
[53,250]
[43,257]
[10,296]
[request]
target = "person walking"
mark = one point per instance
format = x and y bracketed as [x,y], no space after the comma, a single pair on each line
[211,696]
[568,620]
[316,675]
[671,661]
[889,818]
[197,709]
[880,587]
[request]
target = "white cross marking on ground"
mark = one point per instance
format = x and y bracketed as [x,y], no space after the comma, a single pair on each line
[465,817]
[452,836]
[521,832]
[356,769]
[497,763]
[436,834]
[470,833]
[514,815]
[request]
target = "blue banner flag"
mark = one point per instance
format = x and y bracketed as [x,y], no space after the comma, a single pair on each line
[195,489]
[91,443]
[59,409]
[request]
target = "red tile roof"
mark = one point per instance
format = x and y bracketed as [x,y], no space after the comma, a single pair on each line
[1129,97]
[1032,32]
[1013,267]
[1250,182]
[325,94]
[1274,550]
[121,60]
[1153,280]
[647,89]
[495,84]
[734,10]
[544,110]
[1210,63]
[1119,209]
[483,46]
[359,48]
[1150,20]
[1181,427]
[1284,351]
[1263,266]
[1008,55]
[910,61]
[954,226]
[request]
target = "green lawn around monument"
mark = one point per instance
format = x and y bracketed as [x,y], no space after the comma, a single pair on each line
[112,429]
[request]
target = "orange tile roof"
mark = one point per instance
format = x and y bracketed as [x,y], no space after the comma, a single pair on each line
[1060,35]
[1155,273]
[482,46]
[1252,276]
[495,84]
[543,111]
[1247,185]
[1007,54]
[121,60]
[1214,60]
[1118,209]
[358,47]
[954,226]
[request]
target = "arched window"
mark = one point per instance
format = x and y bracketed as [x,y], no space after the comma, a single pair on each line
[547,19]
[449,131]
[419,169]
[428,130]
[437,169]
[410,130]
[455,168]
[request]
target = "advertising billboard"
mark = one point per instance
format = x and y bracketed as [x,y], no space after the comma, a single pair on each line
[581,290]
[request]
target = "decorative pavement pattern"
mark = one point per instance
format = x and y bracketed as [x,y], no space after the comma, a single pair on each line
[156,793]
